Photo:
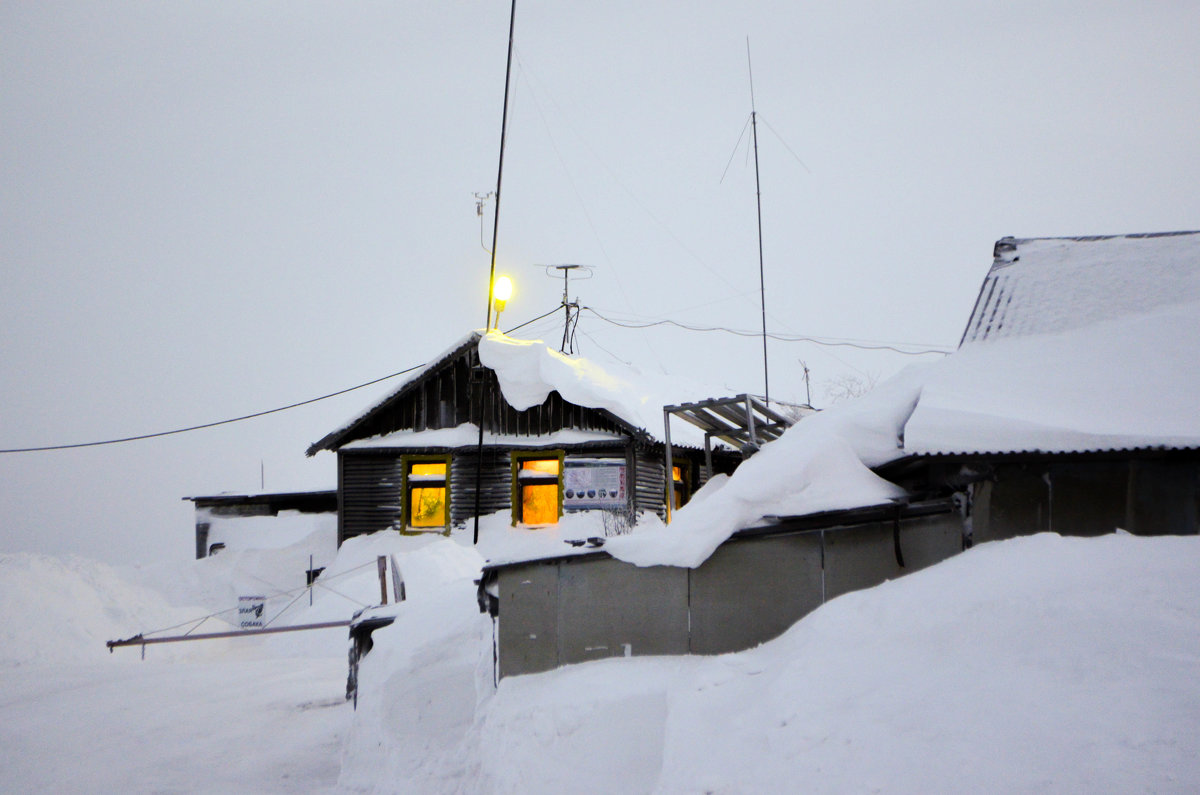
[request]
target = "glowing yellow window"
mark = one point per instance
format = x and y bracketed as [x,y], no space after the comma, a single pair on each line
[677,476]
[538,484]
[427,494]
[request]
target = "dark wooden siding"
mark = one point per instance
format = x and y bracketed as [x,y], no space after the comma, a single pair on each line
[371,489]
[495,481]
[451,396]
[649,488]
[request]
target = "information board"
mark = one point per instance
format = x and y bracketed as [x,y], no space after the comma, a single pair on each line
[594,483]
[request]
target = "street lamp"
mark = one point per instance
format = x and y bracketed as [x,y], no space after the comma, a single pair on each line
[501,292]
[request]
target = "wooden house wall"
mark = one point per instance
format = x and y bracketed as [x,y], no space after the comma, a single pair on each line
[370,493]
[495,480]
[372,484]
[649,493]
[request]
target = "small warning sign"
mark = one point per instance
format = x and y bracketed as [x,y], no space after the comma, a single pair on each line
[250,611]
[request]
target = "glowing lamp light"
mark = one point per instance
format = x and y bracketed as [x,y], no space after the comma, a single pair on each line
[501,292]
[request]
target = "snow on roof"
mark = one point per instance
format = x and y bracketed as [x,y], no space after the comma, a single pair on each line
[1075,344]
[1125,383]
[529,370]
[1044,285]
[467,435]
[820,464]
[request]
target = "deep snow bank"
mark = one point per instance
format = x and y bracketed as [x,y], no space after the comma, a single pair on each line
[55,611]
[1040,663]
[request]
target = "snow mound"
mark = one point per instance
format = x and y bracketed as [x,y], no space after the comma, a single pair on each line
[63,610]
[1036,664]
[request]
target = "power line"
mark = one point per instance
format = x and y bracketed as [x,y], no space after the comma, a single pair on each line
[207,424]
[256,414]
[780,337]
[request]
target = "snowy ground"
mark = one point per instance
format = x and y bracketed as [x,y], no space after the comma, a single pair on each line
[1042,663]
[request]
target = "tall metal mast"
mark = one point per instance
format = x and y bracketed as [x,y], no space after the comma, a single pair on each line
[482,385]
[512,20]
[762,290]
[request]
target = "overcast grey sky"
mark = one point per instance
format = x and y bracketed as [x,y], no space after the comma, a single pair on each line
[213,208]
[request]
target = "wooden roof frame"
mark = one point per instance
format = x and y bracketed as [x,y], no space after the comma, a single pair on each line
[332,441]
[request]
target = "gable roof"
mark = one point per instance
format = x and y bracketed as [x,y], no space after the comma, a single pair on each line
[1050,284]
[337,437]
[1074,345]
[528,371]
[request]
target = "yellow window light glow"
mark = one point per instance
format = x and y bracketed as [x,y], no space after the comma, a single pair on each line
[548,466]
[428,502]
[539,491]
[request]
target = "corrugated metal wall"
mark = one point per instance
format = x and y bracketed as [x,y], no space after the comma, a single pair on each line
[749,591]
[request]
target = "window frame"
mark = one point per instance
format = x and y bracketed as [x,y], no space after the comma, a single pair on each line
[516,459]
[406,463]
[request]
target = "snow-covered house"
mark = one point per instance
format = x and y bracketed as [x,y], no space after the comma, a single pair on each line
[1071,404]
[560,434]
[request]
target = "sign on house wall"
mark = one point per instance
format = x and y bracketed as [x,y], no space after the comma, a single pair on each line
[594,483]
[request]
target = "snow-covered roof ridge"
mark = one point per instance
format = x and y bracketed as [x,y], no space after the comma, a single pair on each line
[330,440]
[529,370]
[1041,285]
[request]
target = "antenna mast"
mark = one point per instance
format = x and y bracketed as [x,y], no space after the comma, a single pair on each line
[570,308]
[762,290]
[512,21]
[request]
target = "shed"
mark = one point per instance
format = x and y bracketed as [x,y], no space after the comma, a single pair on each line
[587,605]
[217,507]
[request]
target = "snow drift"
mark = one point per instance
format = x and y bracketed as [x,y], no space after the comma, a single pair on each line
[1040,663]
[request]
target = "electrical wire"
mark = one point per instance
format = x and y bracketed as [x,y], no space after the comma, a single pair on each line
[534,320]
[780,337]
[207,424]
[244,417]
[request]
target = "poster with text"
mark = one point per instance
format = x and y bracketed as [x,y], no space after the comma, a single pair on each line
[594,484]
